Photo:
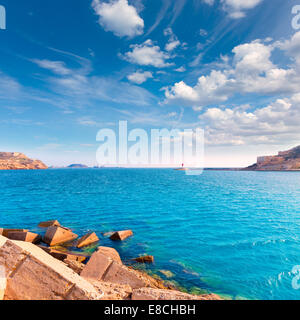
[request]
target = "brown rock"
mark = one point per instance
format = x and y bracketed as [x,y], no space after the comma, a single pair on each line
[113,291]
[24,236]
[4,232]
[47,224]
[56,235]
[120,274]
[60,255]
[32,274]
[64,255]
[145,259]
[87,239]
[105,265]
[158,294]
[111,253]
[76,266]
[121,235]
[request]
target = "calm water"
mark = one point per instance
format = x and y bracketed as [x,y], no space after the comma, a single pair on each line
[233,233]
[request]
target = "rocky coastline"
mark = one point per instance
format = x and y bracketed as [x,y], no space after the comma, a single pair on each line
[18,161]
[41,266]
[285,161]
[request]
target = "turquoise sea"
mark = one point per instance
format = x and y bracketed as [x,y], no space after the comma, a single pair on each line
[232,233]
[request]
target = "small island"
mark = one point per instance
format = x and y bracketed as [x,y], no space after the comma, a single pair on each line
[18,161]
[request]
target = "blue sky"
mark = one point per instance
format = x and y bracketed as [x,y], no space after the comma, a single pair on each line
[69,68]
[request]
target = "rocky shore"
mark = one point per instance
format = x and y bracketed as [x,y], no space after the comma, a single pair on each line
[42,267]
[285,161]
[18,161]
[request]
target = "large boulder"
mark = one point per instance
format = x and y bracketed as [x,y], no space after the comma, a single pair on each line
[4,232]
[57,235]
[121,235]
[47,224]
[158,294]
[24,236]
[87,240]
[145,259]
[105,265]
[32,274]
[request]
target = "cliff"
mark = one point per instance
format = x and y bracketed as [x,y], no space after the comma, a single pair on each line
[18,161]
[284,161]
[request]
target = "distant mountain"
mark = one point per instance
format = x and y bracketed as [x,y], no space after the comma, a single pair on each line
[18,161]
[77,166]
[284,161]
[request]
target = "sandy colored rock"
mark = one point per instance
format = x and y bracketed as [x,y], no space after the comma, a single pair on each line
[110,252]
[18,161]
[158,294]
[145,259]
[32,274]
[120,274]
[47,224]
[60,255]
[4,232]
[24,236]
[87,239]
[3,282]
[121,235]
[57,235]
[76,266]
[96,267]
[113,291]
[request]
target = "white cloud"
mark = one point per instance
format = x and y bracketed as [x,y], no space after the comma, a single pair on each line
[140,77]
[119,17]
[173,42]
[180,69]
[148,54]
[236,8]
[251,71]
[275,123]
[172,45]
[57,67]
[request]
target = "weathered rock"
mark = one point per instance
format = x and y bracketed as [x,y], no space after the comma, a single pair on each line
[120,274]
[76,266]
[4,232]
[60,255]
[64,255]
[110,252]
[113,291]
[158,294]
[121,235]
[47,224]
[32,274]
[105,265]
[3,282]
[18,161]
[99,262]
[56,235]
[145,259]
[24,236]
[87,239]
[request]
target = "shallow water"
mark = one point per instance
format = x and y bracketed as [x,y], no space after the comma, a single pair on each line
[232,233]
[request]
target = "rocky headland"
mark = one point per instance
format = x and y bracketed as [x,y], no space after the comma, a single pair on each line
[18,161]
[45,266]
[285,161]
